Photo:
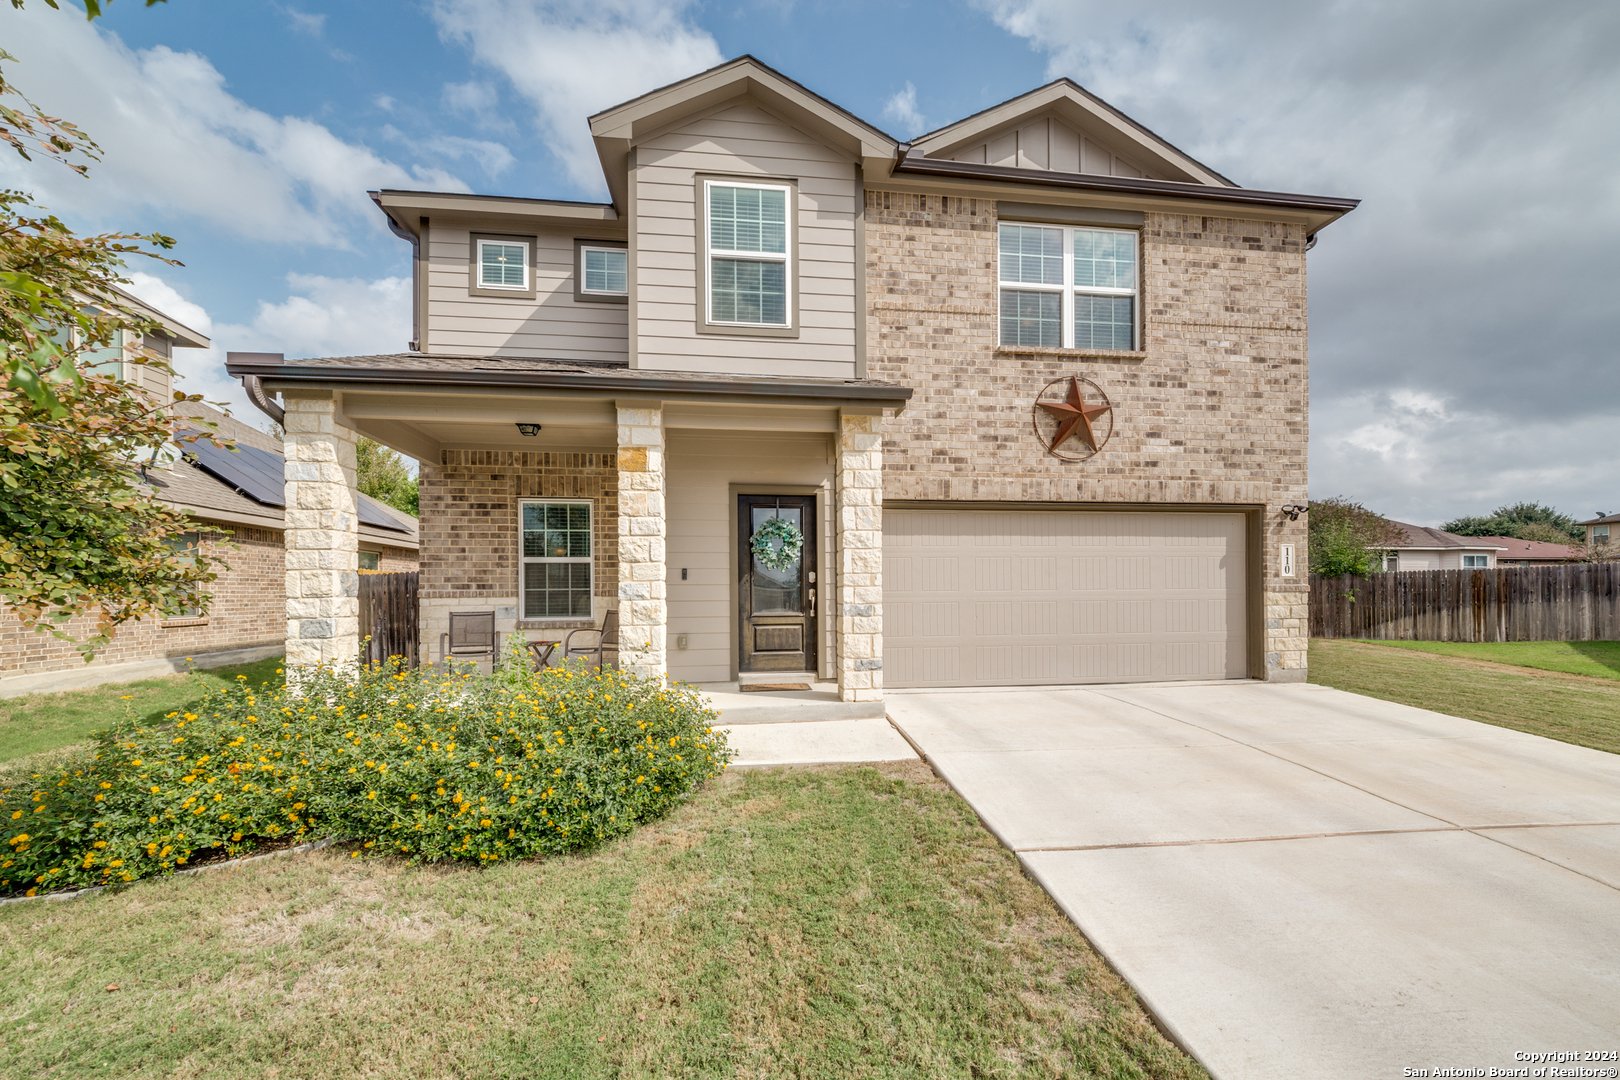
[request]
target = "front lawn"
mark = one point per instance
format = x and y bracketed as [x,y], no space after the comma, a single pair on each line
[1598,659]
[831,922]
[38,723]
[1570,708]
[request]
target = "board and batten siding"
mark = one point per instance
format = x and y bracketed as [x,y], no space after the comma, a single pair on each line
[550,325]
[699,501]
[744,141]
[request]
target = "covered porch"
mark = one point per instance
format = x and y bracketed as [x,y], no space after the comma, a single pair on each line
[733,525]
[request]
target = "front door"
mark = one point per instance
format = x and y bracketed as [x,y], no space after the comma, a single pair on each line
[776,589]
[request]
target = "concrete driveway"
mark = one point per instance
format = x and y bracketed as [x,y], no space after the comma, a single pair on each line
[1305,882]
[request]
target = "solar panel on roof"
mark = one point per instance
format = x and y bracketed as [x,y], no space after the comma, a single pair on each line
[374,513]
[255,473]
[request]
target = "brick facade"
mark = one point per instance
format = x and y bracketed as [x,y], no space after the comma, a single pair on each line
[247,610]
[1213,409]
[469,529]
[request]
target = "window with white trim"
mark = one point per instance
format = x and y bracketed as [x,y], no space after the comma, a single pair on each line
[604,271]
[370,560]
[503,264]
[1069,288]
[555,545]
[748,258]
[1476,562]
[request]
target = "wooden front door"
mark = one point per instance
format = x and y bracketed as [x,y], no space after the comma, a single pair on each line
[777,607]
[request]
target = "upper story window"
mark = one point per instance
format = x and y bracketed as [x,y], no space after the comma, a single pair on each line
[1071,288]
[748,250]
[503,264]
[1600,534]
[601,271]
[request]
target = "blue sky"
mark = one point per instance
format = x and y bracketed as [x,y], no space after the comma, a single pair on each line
[1463,327]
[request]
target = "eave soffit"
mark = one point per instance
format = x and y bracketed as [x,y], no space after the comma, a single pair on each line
[1084,113]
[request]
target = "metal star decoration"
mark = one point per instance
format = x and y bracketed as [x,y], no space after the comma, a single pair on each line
[1074,418]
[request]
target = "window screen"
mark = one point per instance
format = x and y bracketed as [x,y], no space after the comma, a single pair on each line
[556,546]
[503,265]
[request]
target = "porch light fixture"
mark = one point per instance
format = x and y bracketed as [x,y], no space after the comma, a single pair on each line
[529,429]
[1293,510]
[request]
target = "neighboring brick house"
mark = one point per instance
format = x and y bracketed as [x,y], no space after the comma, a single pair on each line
[1021,401]
[246,617]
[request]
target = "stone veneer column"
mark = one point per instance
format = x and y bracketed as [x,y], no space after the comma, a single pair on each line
[860,557]
[322,535]
[642,591]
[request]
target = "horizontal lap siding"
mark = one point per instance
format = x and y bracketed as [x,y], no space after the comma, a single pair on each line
[702,469]
[550,325]
[743,141]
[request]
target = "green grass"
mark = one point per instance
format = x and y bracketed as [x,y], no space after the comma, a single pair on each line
[1570,708]
[830,922]
[1598,659]
[37,724]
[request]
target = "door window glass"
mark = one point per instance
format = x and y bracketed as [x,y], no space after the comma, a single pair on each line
[777,590]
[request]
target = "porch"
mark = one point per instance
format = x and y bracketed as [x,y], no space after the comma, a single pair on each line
[550,508]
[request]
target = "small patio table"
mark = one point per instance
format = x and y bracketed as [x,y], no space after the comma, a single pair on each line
[541,651]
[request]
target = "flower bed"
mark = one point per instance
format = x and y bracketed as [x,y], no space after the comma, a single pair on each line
[416,763]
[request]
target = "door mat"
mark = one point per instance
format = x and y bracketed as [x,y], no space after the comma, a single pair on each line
[755,688]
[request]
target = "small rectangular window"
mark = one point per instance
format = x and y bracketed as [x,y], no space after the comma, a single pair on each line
[185,545]
[503,264]
[748,254]
[604,270]
[1073,288]
[1476,562]
[370,560]
[1600,534]
[556,547]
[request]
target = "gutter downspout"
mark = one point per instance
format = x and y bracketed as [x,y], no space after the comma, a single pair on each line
[414,345]
[261,400]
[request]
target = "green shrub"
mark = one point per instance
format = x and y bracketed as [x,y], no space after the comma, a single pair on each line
[418,763]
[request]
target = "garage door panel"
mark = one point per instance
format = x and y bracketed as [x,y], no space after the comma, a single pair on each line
[981,597]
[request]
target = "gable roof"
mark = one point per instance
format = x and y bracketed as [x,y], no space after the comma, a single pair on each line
[620,128]
[1419,538]
[1087,115]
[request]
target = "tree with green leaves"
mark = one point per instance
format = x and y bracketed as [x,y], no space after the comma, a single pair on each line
[1347,538]
[1522,521]
[80,533]
[382,474]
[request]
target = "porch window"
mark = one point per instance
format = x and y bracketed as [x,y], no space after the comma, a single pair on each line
[556,546]
[748,241]
[503,264]
[1071,288]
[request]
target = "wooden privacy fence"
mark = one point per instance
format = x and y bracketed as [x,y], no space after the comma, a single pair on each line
[1570,602]
[388,612]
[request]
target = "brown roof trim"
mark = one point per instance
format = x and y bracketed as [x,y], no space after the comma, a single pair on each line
[562,380]
[917,165]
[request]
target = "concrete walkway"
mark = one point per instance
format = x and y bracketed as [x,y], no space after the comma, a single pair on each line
[1304,882]
[804,727]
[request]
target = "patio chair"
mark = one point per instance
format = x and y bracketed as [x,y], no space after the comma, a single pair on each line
[472,636]
[607,640]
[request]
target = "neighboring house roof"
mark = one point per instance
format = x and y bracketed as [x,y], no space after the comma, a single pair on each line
[244,486]
[1606,519]
[1418,538]
[183,335]
[1531,550]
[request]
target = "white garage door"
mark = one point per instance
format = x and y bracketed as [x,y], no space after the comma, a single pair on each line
[1009,597]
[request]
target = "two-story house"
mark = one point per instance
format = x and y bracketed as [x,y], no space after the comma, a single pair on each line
[1022,401]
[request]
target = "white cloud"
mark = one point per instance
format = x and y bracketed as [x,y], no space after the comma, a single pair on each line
[493,157]
[305,23]
[176,141]
[321,316]
[472,97]
[572,58]
[1462,325]
[902,109]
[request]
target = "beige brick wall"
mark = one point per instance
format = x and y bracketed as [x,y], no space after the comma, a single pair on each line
[469,530]
[1213,410]
[247,609]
